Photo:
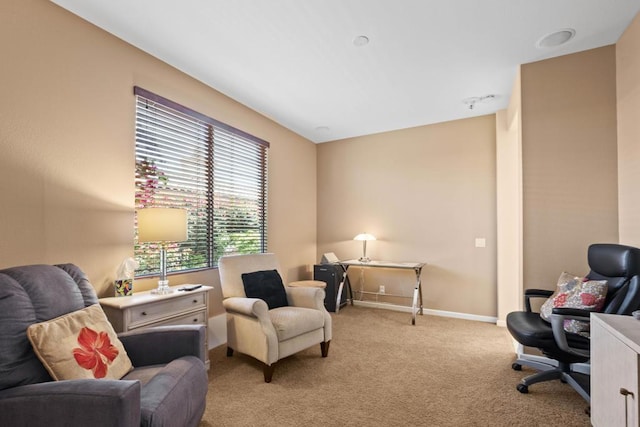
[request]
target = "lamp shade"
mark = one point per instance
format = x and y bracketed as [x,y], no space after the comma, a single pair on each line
[162,225]
[364,236]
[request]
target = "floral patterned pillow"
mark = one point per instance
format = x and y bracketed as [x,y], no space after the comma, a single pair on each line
[575,292]
[80,345]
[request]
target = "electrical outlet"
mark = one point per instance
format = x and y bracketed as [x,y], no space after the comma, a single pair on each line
[381,290]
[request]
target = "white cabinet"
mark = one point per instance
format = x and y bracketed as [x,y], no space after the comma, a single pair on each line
[615,348]
[144,309]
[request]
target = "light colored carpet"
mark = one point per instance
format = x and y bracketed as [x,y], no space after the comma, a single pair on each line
[381,371]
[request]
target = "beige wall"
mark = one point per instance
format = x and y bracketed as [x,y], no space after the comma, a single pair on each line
[426,193]
[509,204]
[569,162]
[67,144]
[628,103]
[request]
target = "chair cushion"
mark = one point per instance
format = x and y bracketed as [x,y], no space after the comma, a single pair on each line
[266,285]
[530,330]
[79,345]
[575,292]
[144,374]
[290,322]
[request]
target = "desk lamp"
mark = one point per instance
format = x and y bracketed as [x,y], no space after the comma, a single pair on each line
[162,225]
[364,237]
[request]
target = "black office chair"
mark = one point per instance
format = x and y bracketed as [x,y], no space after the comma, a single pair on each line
[620,266]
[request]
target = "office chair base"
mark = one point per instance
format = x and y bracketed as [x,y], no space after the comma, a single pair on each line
[578,381]
[543,365]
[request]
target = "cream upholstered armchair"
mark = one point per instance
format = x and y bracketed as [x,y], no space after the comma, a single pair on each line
[270,334]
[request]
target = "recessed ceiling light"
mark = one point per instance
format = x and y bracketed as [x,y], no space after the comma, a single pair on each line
[556,38]
[361,41]
[322,129]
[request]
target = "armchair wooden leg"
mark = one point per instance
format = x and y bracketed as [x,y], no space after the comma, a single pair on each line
[268,372]
[229,352]
[324,346]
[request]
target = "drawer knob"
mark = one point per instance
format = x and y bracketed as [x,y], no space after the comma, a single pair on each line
[195,301]
[144,313]
[195,320]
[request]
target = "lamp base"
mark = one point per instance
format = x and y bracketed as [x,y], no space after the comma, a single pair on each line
[364,259]
[163,288]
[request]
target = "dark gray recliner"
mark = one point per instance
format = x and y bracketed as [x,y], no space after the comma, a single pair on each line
[167,386]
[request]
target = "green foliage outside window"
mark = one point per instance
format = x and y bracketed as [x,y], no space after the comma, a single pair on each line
[152,185]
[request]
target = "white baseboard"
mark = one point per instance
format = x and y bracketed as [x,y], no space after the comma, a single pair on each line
[217,330]
[442,313]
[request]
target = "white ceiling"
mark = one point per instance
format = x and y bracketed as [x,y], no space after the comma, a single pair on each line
[295,62]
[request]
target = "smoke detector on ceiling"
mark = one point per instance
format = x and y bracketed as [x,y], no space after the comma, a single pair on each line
[361,41]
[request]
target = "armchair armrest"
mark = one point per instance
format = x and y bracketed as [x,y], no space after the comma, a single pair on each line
[535,293]
[306,297]
[162,344]
[103,403]
[256,310]
[254,307]
[558,316]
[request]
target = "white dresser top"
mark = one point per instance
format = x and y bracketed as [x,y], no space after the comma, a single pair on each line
[625,328]
[146,296]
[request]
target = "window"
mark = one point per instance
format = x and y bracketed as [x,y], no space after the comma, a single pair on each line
[185,159]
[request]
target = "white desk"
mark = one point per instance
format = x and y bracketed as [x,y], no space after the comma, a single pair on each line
[416,306]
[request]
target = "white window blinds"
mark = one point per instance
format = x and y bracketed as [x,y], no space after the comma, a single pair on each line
[218,173]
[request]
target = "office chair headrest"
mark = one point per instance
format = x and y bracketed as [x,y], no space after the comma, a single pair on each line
[613,260]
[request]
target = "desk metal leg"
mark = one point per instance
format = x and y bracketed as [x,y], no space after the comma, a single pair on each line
[349,288]
[417,294]
[345,280]
[339,296]
[418,276]
[413,306]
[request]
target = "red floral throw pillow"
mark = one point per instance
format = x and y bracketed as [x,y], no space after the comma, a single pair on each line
[79,345]
[575,292]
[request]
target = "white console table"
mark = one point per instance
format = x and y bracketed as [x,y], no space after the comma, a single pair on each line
[416,305]
[144,309]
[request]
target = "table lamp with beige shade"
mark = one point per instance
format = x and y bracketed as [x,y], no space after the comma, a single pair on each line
[162,226]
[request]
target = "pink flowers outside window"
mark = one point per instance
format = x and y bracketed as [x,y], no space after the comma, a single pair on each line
[96,351]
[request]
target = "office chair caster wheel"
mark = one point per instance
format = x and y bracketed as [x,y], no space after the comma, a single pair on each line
[516,367]
[523,388]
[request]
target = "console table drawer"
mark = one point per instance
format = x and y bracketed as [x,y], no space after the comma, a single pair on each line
[197,318]
[151,313]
